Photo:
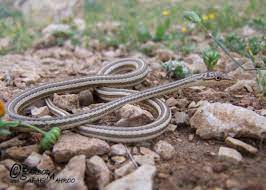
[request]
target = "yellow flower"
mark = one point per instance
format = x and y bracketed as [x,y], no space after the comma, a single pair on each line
[166,13]
[2,108]
[205,17]
[183,29]
[212,16]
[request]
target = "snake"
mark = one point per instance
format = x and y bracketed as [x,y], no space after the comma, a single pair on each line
[111,84]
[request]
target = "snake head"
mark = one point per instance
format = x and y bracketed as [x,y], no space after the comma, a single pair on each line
[215,75]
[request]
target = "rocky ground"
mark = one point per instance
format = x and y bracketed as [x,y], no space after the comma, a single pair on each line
[214,141]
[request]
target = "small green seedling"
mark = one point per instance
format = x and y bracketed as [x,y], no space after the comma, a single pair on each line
[48,140]
[210,58]
[176,69]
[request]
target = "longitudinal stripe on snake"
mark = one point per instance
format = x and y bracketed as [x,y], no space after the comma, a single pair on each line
[109,76]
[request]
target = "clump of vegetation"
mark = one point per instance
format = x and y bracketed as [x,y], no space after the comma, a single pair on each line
[48,140]
[210,58]
[176,69]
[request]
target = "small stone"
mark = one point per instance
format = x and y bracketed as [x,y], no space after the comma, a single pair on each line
[30,186]
[21,153]
[8,163]
[192,105]
[182,103]
[67,102]
[190,137]
[164,149]
[12,142]
[39,112]
[181,118]
[46,163]
[75,169]
[146,151]
[231,184]
[132,116]
[171,127]
[140,179]
[195,63]
[118,159]
[85,98]
[97,168]
[171,102]
[145,159]
[241,146]
[124,170]
[33,160]
[118,150]
[249,85]
[230,155]
[4,173]
[71,144]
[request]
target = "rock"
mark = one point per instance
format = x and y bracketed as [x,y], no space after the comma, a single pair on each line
[182,103]
[165,54]
[21,153]
[171,127]
[96,167]
[144,160]
[49,10]
[46,163]
[191,137]
[249,85]
[124,170]
[132,116]
[181,118]
[67,102]
[146,151]
[74,171]
[164,149]
[4,173]
[30,186]
[171,101]
[230,155]
[219,120]
[241,146]
[195,63]
[118,159]
[56,28]
[33,160]
[241,74]
[8,163]
[85,98]
[40,112]
[71,144]
[140,179]
[118,150]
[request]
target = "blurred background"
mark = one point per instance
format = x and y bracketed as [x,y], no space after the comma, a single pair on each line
[133,24]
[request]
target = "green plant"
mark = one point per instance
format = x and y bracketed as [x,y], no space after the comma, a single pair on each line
[160,31]
[235,43]
[176,69]
[143,33]
[210,58]
[48,140]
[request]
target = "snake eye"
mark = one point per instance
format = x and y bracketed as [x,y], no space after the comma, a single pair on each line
[218,78]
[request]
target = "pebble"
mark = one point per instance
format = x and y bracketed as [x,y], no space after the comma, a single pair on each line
[181,118]
[118,150]
[85,98]
[171,127]
[140,179]
[164,149]
[124,170]
[12,142]
[241,146]
[71,144]
[144,159]
[146,151]
[33,160]
[190,137]
[74,170]
[230,154]
[118,159]
[97,168]
[132,116]
[165,54]
[40,112]
[171,101]
[67,102]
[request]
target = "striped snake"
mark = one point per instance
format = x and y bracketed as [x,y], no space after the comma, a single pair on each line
[107,83]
